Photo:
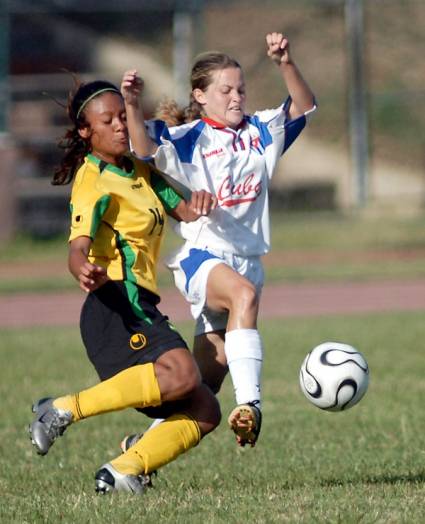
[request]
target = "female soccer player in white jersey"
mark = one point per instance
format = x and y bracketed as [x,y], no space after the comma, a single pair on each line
[214,145]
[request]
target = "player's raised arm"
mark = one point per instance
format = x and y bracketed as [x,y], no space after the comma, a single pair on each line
[131,89]
[279,51]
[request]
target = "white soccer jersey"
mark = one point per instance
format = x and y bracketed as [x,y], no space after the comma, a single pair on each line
[234,165]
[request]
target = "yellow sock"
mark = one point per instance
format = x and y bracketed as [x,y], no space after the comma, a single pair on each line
[135,387]
[159,446]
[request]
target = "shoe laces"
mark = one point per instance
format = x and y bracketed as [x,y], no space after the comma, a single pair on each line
[55,422]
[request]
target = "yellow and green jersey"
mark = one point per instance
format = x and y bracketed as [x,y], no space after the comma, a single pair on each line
[124,214]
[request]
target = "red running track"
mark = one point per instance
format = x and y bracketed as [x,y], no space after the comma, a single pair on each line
[283,300]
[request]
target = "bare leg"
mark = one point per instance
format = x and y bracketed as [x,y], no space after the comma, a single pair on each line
[229,291]
[208,350]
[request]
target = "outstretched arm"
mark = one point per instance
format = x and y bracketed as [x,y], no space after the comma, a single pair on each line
[131,89]
[299,91]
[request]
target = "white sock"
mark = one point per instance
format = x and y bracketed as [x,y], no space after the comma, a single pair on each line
[244,355]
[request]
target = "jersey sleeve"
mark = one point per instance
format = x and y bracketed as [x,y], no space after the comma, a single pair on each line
[175,149]
[169,197]
[277,131]
[88,206]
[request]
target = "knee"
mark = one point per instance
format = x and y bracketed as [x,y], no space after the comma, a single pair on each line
[187,380]
[245,298]
[178,376]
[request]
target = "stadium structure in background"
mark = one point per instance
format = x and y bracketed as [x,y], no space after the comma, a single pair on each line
[339,43]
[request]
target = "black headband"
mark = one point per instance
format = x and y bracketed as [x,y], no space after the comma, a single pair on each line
[87,92]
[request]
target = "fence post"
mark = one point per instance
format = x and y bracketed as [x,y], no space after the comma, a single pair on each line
[357,96]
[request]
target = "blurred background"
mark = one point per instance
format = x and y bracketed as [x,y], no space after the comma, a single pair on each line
[364,150]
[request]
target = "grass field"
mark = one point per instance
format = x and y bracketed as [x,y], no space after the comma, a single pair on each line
[365,465]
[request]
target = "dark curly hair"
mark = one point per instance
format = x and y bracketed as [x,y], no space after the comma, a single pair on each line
[75,147]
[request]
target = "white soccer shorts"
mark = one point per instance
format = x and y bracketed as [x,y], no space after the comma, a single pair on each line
[191,266]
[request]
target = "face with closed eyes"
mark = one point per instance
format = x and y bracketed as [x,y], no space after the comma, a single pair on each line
[224,99]
[106,128]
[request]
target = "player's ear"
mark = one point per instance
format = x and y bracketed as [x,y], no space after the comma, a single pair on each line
[199,95]
[84,132]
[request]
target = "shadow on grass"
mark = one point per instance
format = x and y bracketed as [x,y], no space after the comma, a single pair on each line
[408,478]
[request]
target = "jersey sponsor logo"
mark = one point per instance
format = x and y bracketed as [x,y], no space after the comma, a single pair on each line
[137,341]
[136,186]
[230,194]
[214,152]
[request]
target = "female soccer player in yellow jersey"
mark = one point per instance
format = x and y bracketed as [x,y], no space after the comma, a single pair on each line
[118,209]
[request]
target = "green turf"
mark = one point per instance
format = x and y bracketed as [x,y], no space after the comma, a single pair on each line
[24,247]
[343,270]
[339,232]
[365,465]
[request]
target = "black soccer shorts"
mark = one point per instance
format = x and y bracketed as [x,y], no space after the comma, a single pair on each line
[119,334]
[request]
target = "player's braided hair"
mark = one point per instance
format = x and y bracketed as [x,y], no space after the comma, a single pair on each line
[75,147]
[201,78]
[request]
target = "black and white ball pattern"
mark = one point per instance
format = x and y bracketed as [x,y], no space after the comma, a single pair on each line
[334,376]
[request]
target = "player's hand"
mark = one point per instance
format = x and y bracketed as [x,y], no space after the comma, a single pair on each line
[131,87]
[91,277]
[202,203]
[278,48]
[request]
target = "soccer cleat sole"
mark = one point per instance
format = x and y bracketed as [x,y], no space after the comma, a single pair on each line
[245,422]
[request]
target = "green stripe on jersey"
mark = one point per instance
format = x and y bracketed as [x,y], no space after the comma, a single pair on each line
[169,197]
[130,282]
[111,167]
[98,211]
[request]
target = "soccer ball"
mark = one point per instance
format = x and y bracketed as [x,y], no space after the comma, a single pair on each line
[334,376]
